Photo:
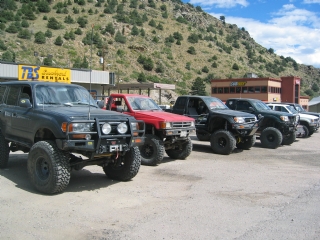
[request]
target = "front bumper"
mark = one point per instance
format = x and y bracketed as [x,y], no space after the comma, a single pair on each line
[181,132]
[103,143]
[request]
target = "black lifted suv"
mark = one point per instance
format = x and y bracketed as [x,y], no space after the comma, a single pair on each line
[63,129]
[276,128]
[215,122]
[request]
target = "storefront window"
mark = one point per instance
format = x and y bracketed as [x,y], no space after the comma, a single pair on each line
[257,89]
[213,90]
[226,90]
[244,89]
[232,89]
[251,89]
[220,90]
[238,90]
[264,89]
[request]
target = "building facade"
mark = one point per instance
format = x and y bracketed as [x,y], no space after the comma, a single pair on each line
[285,89]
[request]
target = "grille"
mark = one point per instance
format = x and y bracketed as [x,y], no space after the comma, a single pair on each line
[248,120]
[293,119]
[181,124]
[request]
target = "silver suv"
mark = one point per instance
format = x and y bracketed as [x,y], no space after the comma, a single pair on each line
[309,122]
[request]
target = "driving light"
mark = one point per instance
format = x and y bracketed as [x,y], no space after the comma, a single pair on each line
[106,128]
[122,128]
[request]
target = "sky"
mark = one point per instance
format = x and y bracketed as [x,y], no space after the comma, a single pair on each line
[290,27]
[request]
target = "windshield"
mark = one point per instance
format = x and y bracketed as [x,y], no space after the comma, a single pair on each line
[292,110]
[299,108]
[259,105]
[142,103]
[215,103]
[68,95]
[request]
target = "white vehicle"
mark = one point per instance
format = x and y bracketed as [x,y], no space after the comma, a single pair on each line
[309,122]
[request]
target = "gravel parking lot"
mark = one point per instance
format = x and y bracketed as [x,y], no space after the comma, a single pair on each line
[255,194]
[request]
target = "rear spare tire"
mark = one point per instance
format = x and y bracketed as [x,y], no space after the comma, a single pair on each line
[127,168]
[271,138]
[48,167]
[222,142]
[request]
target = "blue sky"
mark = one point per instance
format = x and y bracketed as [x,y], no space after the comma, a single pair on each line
[290,27]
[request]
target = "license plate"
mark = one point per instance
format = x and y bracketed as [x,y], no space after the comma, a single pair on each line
[114,148]
[183,133]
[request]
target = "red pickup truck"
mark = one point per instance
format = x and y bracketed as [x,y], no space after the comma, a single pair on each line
[165,132]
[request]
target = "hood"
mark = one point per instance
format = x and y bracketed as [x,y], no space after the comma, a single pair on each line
[160,116]
[307,116]
[312,113]
[272,112]
[233,113]
[83,113]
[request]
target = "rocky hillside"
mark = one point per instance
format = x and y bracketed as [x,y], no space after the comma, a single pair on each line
[145,41]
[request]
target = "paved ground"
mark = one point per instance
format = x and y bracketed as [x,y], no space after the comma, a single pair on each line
[255,194]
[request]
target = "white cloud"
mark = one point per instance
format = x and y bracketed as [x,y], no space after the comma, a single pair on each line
[311,1]
[220,3]
[293,33]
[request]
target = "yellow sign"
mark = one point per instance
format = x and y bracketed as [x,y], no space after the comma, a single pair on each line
[46,74]
[239,84]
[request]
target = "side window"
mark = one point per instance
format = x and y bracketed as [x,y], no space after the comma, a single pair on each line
[277,108]
[181,102]
[283,109]
[13,95]
[243,105]
[2,92]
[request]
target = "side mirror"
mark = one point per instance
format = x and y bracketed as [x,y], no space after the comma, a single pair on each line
[25,103]
[101,104]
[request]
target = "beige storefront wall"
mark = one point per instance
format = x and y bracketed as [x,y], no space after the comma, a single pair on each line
[266,82]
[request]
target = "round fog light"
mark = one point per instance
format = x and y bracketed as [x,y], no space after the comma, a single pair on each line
[88,136]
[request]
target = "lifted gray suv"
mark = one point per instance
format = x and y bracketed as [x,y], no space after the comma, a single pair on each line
[62,129]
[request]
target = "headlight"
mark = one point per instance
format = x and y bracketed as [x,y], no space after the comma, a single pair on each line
[165,125]
[106,128]
[192,124]
[122,128]
[81,127]
[134,126]
[284,118]
[312,120]
[238,119]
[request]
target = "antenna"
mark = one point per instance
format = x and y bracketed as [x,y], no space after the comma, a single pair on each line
[90,71]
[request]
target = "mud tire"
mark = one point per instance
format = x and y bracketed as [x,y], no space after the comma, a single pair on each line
[222,142]
[183,153]
[48,167]
[127,168]
[271,138]
[152,151]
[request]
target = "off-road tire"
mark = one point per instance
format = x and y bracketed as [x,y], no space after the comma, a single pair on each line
[203,136]
[183,153]
[271,138]
[48,167]
[306,131]
[288,140]
[247,142]
[222,142]
[127,168]
[152,151]
[4,151]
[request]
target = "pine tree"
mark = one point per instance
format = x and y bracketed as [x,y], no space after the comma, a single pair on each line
[198,87]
